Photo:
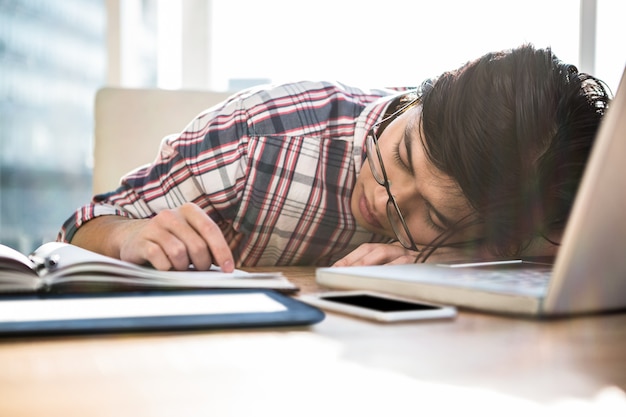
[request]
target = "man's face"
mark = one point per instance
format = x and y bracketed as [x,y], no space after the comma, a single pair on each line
[429,200]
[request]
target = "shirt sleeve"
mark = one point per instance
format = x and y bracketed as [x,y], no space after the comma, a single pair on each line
[204,164]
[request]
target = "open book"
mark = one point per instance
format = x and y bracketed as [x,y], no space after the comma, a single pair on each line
[61,267]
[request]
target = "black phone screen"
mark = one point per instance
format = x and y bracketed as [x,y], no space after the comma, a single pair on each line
[378,303]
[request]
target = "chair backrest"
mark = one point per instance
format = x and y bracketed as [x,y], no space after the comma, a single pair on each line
[130,124]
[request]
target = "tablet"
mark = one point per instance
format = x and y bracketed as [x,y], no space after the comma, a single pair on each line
[152,310]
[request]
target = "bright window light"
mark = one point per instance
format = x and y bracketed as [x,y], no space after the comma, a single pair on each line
[169,44]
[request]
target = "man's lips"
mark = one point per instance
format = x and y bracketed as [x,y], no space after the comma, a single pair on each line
[367,214]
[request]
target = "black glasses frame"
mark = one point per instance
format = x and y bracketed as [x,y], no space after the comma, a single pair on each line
[392,204]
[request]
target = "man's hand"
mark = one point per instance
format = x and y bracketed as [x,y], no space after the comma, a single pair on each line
[378,254]
[395,253]
[173,239]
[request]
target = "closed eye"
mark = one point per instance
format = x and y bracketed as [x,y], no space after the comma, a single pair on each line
[433,217]
[398,158]
[431,223]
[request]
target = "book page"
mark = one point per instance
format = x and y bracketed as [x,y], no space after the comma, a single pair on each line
[68,264]
[16,272]
[63,260]
[11,259]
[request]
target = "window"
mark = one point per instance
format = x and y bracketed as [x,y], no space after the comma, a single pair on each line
[52,59]
[610,57]
[394,42]
[397,42]
[227,45]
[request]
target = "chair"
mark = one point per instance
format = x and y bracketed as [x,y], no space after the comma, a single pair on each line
[130,124]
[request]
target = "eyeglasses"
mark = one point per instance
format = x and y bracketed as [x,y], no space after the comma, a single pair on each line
[398,224]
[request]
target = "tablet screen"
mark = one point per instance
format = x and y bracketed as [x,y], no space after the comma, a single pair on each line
[30,310]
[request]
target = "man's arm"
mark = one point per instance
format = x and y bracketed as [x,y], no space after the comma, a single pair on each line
[173,239]
[394,253]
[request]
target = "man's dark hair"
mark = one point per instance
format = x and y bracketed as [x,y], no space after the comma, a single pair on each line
[514,129]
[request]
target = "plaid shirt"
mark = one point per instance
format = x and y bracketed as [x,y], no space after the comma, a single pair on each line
[273,166]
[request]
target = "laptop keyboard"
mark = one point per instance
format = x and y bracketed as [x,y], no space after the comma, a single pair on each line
[513,280]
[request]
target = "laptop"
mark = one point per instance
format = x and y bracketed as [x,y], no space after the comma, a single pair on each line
[588,274]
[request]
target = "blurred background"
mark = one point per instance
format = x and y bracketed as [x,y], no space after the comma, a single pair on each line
[55,55]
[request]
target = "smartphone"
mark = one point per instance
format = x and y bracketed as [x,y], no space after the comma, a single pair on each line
[377,306]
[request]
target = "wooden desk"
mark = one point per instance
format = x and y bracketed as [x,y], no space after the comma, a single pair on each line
[341,366]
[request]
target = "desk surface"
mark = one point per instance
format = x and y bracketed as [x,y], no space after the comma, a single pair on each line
[499,365]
